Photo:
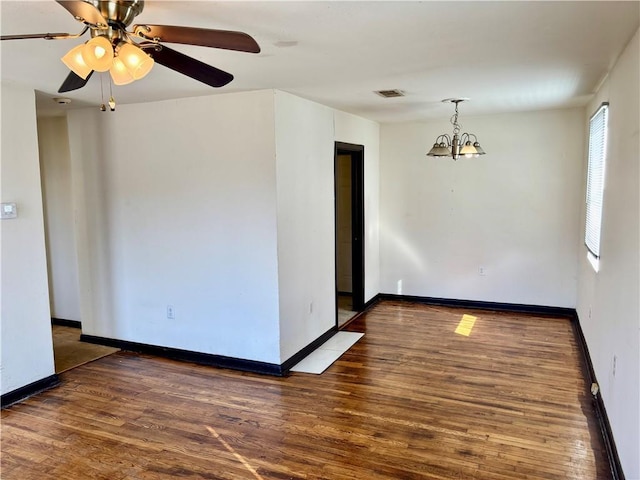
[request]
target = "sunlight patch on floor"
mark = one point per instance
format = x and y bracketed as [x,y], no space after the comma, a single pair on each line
[234,453]
[466,325]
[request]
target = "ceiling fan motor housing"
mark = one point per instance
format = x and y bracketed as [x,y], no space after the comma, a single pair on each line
[119,13]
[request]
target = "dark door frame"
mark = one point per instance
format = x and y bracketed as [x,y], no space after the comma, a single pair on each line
[356,152]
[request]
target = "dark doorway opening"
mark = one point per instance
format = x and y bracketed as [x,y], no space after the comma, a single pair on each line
[349,227]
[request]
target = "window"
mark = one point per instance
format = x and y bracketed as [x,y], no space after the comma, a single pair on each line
[595,179]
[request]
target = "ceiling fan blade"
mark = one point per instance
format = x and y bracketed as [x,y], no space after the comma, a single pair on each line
[204,37]
[191,67]
[73,82]
[47,36]
[84,12]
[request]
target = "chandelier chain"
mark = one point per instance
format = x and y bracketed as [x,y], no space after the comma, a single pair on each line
[454,121]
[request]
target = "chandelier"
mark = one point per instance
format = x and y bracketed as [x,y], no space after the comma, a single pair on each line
[465,145]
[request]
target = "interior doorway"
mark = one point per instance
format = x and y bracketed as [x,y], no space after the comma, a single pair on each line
[349,228]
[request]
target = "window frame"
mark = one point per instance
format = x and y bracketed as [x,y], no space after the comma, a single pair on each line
[596,169]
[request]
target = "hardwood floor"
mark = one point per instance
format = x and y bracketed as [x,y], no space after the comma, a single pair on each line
[411,399]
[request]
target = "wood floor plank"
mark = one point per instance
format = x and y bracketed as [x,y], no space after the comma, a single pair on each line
[410,400]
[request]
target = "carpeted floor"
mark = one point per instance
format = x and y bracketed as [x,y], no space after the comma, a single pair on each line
[70,352]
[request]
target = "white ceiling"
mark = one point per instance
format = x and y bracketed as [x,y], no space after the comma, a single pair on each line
[505,56]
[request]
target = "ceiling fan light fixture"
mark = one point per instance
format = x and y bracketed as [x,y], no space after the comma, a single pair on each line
[73,59]
[136,61]
[97,53]
[108,23]
[119,72]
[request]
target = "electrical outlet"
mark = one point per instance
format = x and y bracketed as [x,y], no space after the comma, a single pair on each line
[171,313]
[8,210]
[615,361]
[482,271]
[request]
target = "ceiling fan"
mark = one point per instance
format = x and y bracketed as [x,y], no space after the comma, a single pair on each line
[129,55]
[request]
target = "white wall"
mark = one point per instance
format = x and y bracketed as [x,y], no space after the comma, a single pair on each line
[220,206]
[27,351]
[176,205]
[356,130]
[306,228]
[55,165]
[305,136]
[89,206]
[608,301]
[514,211]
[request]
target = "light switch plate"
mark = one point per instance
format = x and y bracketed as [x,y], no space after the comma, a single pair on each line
[8,210]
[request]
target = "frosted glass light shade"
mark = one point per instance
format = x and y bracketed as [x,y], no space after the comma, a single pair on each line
[137,62]
[468,150]
[98,54]
[479,149]
[73,59]
[439,150]
[119,72]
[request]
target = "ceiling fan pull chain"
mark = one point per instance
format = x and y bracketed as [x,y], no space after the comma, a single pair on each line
[103,107]
[112,101]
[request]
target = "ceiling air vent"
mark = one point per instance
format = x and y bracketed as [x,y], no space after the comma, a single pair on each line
[390,93]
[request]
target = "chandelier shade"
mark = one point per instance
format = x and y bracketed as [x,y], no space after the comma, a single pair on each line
[479,149]
[442,147]
[468,150]
[456,145]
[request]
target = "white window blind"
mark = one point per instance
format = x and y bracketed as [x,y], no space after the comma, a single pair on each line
[595,178]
